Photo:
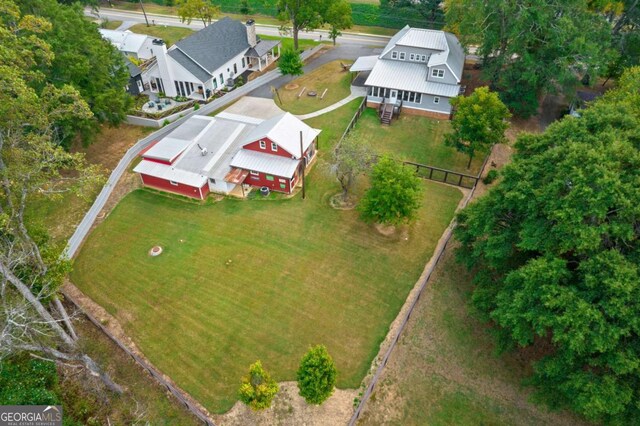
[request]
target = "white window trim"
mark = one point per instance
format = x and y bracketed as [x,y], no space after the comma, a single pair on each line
[394,55]
[436,73]
[403,55]
[436,99]
[412,57]
[263,145]
[274,147]
[423,58]
[254,173]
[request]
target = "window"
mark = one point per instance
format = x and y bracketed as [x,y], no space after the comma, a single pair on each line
[405,96]
[173,183]
[235,69]
[242,62]
[263,145]
[437,73]
[254,175]
[283,186]
[418,98]
[394,55]
[412,98]
[269,177]
[282,181]
[274,147]
[221,79]
[212,180]
[436,100]
[375,91]
[402,55]
[412,57]
[177,87]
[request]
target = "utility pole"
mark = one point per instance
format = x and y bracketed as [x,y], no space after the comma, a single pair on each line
[144,13]
[303,163]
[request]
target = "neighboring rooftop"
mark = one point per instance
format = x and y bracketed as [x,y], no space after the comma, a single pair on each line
[172,145]
[125,41]
[284,129]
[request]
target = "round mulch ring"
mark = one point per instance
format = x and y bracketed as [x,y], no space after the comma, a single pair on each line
[155,251]
[291,86]
[101,215]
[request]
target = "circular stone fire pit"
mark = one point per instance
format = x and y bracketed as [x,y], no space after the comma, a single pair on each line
[155,251]
[312,93]
[291,86]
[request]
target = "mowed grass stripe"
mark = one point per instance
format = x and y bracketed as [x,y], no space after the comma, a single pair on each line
[301,274]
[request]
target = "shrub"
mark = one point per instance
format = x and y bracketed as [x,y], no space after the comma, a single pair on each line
[258,388]
[196,107]
[491,176]
[316,375]
[165,123]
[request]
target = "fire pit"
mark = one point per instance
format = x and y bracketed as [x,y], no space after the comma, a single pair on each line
[155,251]
[312,93]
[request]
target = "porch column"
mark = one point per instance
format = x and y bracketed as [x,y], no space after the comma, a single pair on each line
[259,64]
[278,51]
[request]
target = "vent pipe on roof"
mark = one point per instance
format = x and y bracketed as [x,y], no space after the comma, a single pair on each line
[203,151]
[251,33]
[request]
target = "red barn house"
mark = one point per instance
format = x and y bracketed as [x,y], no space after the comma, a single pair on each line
[226,153]
[273,153]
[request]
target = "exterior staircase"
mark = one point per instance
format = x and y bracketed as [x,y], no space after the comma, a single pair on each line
[386,113]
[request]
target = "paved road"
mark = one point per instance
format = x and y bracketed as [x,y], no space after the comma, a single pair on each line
[138,17]
[85,226]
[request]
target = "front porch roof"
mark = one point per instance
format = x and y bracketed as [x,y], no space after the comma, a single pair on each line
[262,48]
[364,63]
[265,163]
[236,176]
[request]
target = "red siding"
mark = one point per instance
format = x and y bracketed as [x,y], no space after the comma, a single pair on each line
[165,185]
[255,146]
[273,185]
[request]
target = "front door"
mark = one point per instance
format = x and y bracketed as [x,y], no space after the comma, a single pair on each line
[393,96]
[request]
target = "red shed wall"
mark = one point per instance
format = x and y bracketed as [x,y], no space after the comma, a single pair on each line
[165,185]
[255,146]
[273,185]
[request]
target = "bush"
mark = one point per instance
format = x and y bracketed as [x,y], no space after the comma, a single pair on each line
[165,123]
[181,98]
[258,388]
[316,375]
[491,176]
[196,107]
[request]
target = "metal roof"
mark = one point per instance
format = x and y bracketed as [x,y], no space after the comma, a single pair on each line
[394,40]
[167,172]
[125,41]
[284,130]
[216,44]
[190,65]
[265,163]
[170,147]
[455,60]
[411,76]
[427,39]
[262,48]
[364,63]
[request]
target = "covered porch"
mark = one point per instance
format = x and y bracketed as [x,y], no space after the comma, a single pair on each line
[263,54]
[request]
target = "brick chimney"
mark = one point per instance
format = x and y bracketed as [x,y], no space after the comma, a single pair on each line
[251,33]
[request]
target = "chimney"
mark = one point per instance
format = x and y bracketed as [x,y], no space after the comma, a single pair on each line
[251,33]
[160,52]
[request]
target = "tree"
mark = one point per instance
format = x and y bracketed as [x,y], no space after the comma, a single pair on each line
[200,9]
[306,15]
[394,195]
[258,388]
[431,10]
[528,49]
[317,375]
[244,7]
[351,158]
[33,164]
[554,247]
[290,63]
[480,121]
[339,18]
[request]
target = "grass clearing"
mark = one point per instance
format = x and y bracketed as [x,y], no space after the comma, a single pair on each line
[287,42]
[258,279]
[170,35]
[415,138]
[329,76]
[111,25]
[445,369]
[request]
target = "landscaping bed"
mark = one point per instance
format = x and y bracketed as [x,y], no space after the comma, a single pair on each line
[301,273]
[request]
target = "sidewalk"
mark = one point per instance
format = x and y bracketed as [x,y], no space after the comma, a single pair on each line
[356,92]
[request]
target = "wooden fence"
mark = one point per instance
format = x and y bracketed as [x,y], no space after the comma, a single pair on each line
[443,175]
[354,120]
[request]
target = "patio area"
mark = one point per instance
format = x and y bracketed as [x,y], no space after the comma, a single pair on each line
[156,105]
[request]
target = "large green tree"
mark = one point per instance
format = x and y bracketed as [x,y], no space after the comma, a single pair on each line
[394,195]
[338,17]
[480,120]
[203,10]
[82,59]
[555,248]
[305,15]
[529,48]
[290,63]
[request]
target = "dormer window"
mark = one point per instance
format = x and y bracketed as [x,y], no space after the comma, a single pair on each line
[423,58]
[437,73]
[402,56]
[412,57]
[263,145]
[394,55]
[274,147]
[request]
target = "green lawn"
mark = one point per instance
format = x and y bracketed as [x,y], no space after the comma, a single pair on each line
[417,139]
[256,279]
[170,35]
[329,76]
[111,25]
[445,369]
[287,42]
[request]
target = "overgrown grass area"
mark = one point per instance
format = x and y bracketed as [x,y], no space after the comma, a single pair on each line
[110,25]
[417,139]
[330,77]
[256,279]
[445,369]
[170,35]
[287,42]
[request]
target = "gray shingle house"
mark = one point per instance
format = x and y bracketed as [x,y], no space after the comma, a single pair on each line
[206,61]
[418,72]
